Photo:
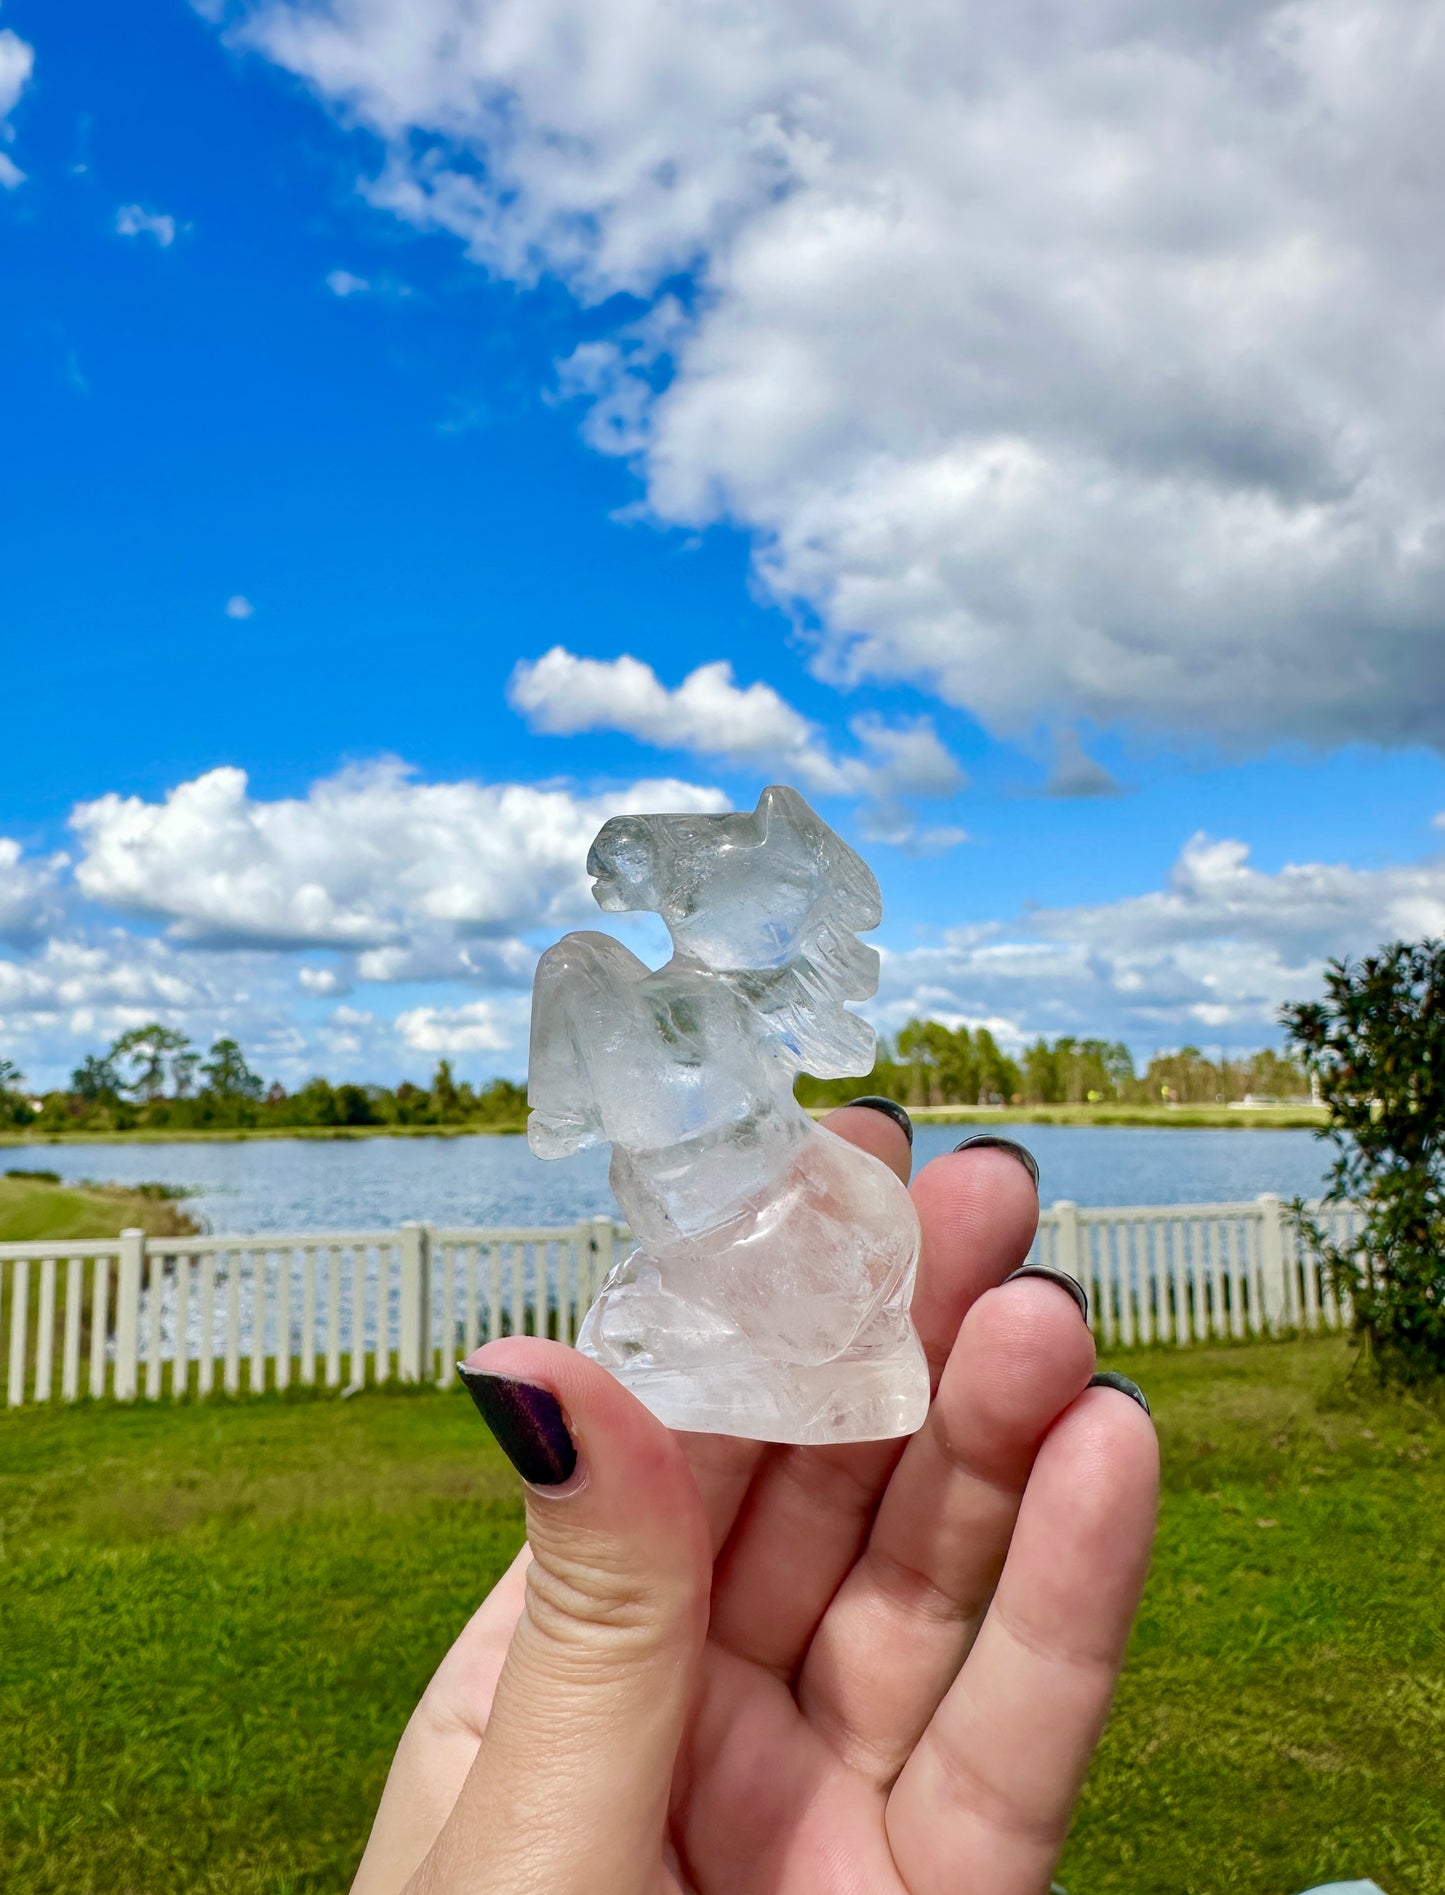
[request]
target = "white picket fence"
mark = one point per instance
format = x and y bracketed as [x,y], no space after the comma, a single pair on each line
[167,1316]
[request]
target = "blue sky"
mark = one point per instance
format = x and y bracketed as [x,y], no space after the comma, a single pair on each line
[1066,543]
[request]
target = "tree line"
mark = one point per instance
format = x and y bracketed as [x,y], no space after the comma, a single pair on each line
[932,1064]
[153,1079]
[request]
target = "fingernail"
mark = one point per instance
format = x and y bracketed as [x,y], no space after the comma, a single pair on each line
[877,1103]
[1106,1378]
[528,1424]
[1010,1145]
[1061,1277]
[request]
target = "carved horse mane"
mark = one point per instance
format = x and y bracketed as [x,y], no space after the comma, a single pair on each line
[797,972]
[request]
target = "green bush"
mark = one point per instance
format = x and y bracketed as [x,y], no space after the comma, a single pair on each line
[1376,1045]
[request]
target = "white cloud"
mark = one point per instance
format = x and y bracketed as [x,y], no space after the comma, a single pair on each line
[369,860]
[1307,908]
[29,891]
[132,221]
[17,62]
[238,606]
[342,283]
[74,995]
[320,980]
[1222,945]
[752,727]
[473,1028]
[1080,364]
[116,977]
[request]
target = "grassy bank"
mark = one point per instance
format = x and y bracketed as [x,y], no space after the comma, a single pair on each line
[215,1620]
[39,1207]
[1179,1117]
[1183,1117]
[233,1135]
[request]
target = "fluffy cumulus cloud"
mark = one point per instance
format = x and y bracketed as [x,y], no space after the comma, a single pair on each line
[474,1028]
[74,991]
[1080,363]
[29,891]
[17,62]
[711,715]
[1221,946]
[369,861]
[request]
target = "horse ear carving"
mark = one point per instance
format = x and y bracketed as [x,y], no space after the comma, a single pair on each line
[858,901]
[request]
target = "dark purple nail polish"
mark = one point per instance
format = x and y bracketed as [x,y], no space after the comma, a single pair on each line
[877,1103]
[528,1424]
[1010,1145]
[1107,1378]
[1061,1277]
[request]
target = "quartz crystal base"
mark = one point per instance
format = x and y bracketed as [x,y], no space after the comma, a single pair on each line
[866,1400]
[788,1323]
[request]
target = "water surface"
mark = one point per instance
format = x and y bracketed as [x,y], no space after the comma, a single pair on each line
[265,1185]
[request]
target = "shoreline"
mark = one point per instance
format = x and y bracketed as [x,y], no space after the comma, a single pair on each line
[1123,1117]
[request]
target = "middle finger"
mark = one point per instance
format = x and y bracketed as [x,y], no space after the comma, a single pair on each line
[808,1511]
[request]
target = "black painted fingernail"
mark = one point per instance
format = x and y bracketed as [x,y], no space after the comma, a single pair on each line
[877,1103]
[528,1424]
[1106,1378]
[1010,1145]
[1061,1277]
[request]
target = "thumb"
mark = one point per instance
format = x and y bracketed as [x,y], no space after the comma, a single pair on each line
[570,1788]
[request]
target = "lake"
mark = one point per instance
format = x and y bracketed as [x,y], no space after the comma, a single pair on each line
[265,1185]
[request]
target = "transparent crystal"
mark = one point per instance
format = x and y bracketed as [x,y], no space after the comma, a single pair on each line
[768,1294]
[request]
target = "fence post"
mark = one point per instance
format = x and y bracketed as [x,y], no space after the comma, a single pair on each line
[19,1329]
[127,1312]
[598,1235]
[412,1343]
[1066,1214]
[1271,1260]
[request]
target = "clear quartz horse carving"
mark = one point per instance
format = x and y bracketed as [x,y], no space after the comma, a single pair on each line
[769,1292]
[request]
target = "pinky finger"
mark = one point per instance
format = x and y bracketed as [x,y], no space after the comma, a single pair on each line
[985,1799]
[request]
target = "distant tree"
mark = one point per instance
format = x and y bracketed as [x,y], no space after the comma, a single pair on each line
[314,1104]
[1376,1045]
[446,1101]
[1268,1075]
[998,1077]
[14,1106]
[1042,1085]
[96,1080]
[152,1053]
[944,1064]
[354,1106]
[503,1102]
[228,1076]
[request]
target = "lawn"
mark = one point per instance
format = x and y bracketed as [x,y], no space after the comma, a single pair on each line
[35,1205]
[215,1618]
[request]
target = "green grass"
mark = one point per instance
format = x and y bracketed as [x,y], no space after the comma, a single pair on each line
[235,1134]
[35,1208]
[214,1620]
[1267,1118]
[1183,1117]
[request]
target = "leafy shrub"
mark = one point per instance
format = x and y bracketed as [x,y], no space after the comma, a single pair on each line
[1376,1045]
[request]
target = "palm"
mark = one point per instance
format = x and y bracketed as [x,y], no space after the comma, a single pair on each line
[911,1646]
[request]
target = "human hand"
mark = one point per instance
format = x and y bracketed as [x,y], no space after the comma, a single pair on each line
[739,1669]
